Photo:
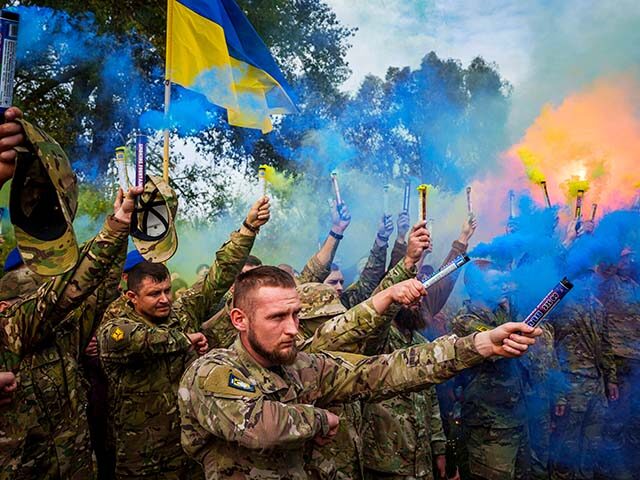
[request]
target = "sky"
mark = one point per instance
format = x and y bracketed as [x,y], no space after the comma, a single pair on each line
[546,49]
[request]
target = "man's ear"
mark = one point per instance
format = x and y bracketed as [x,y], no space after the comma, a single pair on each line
[239,319]
[132,296]
[4,305]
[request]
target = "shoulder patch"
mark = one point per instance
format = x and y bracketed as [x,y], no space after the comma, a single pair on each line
[240,384]
[117,334]
[228,382]
[348,360]
[481,327]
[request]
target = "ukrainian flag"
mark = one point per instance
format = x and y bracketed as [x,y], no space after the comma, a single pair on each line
[214,50]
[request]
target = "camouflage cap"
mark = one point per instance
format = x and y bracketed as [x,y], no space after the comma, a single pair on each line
[19,283]
[319,300]
[43,203]
[152,225]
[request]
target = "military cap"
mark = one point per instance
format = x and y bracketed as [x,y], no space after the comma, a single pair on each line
[19,283]
[319,300]
[43,202]
[152,224]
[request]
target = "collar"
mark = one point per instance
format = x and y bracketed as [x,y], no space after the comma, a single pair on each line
[267,380]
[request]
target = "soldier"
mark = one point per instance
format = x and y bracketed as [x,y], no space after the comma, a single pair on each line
[403,434]
[494,411]
[45,432]
[621,296]
[586,360]
[372,272]
[252,410]
[146,342]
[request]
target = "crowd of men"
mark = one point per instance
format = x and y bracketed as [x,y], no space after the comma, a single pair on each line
[261,372]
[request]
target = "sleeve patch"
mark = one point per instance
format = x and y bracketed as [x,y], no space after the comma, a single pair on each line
[117,334]
[240,384]
[228,383]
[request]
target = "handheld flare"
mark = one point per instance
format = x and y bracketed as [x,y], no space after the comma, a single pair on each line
[469,204]
[336,188]
[9,22]
[545,192]
[262,179]
[578,214]
[448,269]
[594,211]
[512,205]
[385,200]
[423,192]
[141,159]
[407,196]
[121,166]
[548,303]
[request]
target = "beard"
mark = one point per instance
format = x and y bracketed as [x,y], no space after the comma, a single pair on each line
[277,357]
[410,320]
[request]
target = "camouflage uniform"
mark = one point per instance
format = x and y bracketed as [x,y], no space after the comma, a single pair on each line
[241,421]
[541,395]
[325,324]
[402,434]
[621,297]
[370,277]
[44,430]
[144,362]
[586,360]
[494,410]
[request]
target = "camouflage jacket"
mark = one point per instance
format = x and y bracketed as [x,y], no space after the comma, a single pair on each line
[584,351]
[314,271]
[144,362]
[494,391]
[241,420]
[369,279]
[219,330]
[44,430]
[621,298]
[402,433]
[342,458]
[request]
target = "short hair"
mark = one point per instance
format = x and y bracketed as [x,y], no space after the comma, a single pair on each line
[263,276]
[156,271]
[201,266]
[253,261]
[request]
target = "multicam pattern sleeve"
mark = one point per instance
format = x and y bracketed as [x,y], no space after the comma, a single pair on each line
[30,321]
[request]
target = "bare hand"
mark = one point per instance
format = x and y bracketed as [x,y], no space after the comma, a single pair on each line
[612,392]
[334,421]
[560,410]
[92,348]
[407,292]
[126,205]
[404,224]
[385,228]
[468,229]
[198,342]
[419,241]
[260,213]
[8,385]
[508,340]
[587,227]
[340,217]
[11,136]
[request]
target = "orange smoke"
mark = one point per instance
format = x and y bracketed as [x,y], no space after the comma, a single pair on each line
[590,142]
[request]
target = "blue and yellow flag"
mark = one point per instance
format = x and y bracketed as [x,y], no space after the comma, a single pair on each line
[214,50]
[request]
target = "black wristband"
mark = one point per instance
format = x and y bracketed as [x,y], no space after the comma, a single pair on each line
[335,235]
[251,228]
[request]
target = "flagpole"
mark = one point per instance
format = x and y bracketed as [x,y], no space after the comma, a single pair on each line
[167,90]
